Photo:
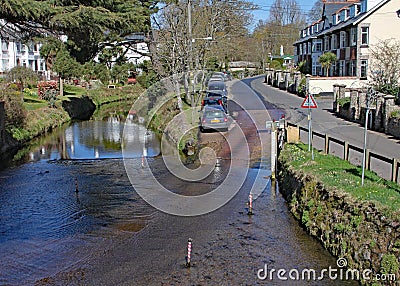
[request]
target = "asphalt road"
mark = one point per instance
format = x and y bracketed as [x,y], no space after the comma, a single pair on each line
[326,122]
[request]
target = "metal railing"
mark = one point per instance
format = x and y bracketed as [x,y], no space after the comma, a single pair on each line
[394,162]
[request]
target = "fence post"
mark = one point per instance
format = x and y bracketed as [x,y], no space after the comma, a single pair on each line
[326,144]
[395,166]
[368,159]
[298,128]
[346,151]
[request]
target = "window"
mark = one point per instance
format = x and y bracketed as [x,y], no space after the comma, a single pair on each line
[334,42]
[341,68]
[326,42]
[4,46]
[343,39]
[317,47]
[364,68]
[5,64]
[353,68]
[353,36]
[358,9]
[364,35]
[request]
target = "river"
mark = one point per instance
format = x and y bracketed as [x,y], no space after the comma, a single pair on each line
[69,216]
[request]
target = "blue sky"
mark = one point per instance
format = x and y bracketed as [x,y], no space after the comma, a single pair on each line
[265,5]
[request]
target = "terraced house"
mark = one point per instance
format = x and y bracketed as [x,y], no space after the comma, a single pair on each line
[348,28]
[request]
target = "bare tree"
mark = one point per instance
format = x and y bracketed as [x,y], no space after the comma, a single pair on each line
[281,28]
[385,66]
[316,12]
[286,12]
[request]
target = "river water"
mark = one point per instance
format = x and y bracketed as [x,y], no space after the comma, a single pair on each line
[69,216]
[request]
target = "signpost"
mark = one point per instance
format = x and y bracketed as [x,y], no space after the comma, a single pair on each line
[309,103]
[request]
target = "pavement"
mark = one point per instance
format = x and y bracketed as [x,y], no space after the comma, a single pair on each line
[326,122]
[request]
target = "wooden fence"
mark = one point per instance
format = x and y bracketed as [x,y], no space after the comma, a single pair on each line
[347,148]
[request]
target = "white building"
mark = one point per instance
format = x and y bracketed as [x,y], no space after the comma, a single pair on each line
[348,28]
[15,53]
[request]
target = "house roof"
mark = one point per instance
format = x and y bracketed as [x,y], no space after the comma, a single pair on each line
[352,21]
[366,15]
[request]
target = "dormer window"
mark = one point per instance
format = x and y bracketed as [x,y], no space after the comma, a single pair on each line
[337,16]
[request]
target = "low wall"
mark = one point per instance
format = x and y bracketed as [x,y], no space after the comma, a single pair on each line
[360,232]
[393,126]
[290,81]
[325,85]
[354,110]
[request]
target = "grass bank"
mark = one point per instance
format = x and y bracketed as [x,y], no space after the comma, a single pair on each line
[340,174]
[40,117]
[358,223]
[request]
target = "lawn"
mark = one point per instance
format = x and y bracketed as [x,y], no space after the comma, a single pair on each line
[340,174]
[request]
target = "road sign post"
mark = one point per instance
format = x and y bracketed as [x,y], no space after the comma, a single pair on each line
[309,103]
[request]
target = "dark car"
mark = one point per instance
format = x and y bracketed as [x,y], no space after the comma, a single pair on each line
[213,118]
[215,98]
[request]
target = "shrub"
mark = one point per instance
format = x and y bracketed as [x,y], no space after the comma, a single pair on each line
[15,111]
[45,86]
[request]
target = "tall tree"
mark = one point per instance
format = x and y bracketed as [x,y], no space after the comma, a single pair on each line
[86,23]
[281,28]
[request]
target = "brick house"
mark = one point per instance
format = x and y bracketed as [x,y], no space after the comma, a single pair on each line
[347,28]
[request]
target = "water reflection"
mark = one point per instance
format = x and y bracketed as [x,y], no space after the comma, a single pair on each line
[94,140]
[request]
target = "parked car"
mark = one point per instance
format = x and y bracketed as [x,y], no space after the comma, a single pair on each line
[216,78]
[213,118]
[215,98]
[217,86]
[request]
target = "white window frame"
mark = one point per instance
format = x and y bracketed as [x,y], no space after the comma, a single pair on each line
[364,32]
[363,68]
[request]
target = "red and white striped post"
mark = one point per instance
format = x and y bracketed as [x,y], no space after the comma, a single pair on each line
[250,212]
[189,252]
[142,161]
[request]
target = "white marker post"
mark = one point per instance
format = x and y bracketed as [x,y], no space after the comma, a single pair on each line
[250,212]
[189,252]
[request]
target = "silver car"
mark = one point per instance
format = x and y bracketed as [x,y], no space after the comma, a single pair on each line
[213,117]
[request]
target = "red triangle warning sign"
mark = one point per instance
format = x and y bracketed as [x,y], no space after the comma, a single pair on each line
[309,102]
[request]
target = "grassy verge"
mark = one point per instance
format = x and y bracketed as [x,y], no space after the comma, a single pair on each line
[105,95]
[39,121]
[340,174]
[40,117]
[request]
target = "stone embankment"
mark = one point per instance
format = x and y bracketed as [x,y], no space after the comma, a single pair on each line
[366,235]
